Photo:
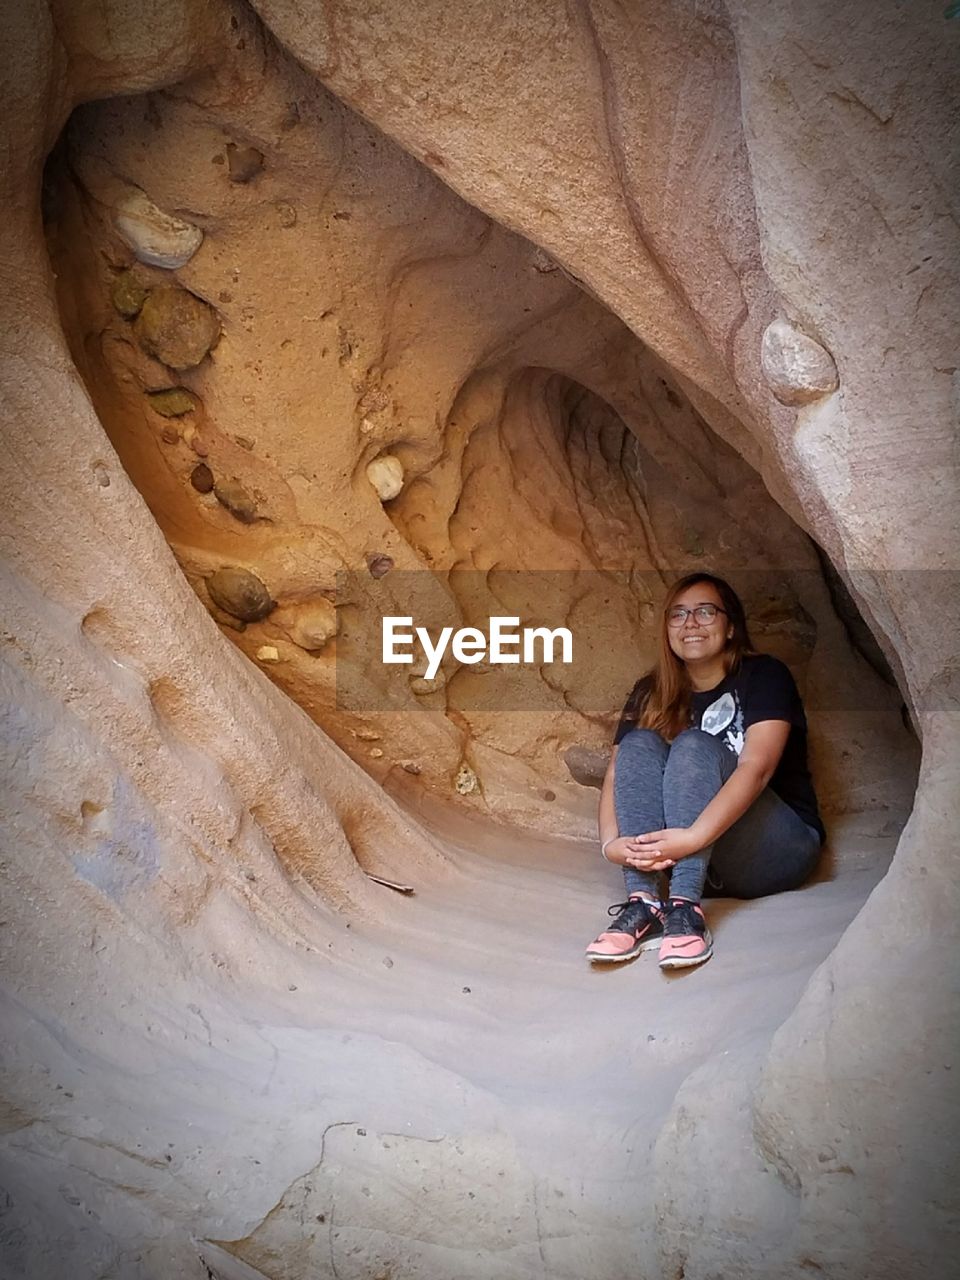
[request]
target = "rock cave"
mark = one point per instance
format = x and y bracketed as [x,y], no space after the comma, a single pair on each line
[313,307]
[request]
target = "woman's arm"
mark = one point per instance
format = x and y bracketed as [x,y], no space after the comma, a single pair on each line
[763,745]
[607,817]
[618,849]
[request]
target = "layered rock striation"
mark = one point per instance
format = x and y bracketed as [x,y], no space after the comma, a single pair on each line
[516,309]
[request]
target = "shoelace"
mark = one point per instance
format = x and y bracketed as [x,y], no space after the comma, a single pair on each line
[629,913]
[681,918]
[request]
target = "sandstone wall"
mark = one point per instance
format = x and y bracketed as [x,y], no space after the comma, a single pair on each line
[182,842]
[362,317]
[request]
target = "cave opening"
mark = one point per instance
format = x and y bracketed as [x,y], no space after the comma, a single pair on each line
[440,399]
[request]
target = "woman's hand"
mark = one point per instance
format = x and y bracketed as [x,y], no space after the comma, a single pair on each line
[619,850]
[660,850]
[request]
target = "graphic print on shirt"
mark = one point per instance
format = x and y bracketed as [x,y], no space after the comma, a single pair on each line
[725,714]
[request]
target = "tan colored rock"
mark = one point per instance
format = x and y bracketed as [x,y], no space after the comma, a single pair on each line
[386,475]
[311,625]
[156,238]
[172,402]
[268,653]
[466,781]
[176,327]
[232,495]
[128,294]
[797,368]
[240,593]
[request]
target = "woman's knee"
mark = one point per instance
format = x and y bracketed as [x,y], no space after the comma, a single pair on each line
[641,756]
[694,751]
[698,744]
[643,742]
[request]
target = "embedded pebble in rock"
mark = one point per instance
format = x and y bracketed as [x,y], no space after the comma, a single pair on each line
[379,565]
[243,163]
[420,685]
[268,653]
[201,477]
[240,593]
[586,765]
[156,238]
[128,294]
[411,766]
[170,435]
[466,780]
[232,495]
[386,475]
[311,625]
[797,368]
[172,402]
[369,735]
[198,447]
[417,678]
[376,753]
[176,327]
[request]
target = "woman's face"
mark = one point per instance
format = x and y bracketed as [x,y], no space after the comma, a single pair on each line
[697,640]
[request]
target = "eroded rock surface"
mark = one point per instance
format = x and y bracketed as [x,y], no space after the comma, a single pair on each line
[188,903]
[527,432]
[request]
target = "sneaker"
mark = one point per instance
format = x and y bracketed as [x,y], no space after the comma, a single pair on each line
[686,938]
[638,927]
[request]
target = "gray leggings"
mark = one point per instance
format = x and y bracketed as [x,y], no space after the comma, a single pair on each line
[658,784]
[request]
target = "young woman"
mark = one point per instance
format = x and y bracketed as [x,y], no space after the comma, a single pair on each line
[709,773]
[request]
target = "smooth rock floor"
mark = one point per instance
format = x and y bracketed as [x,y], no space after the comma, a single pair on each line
[462,1097]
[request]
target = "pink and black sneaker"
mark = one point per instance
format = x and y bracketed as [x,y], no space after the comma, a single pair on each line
[638,927]
[686,938]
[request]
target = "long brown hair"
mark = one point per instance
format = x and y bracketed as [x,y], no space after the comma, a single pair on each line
[666,707]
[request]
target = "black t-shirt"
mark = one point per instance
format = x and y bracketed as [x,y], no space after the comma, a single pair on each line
[761,689]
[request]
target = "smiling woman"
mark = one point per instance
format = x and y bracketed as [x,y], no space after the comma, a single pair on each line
[709,769]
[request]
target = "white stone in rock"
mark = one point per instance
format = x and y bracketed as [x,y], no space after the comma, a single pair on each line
[797,368]
[156,238]
[311,625]
[466,780]
[386,475]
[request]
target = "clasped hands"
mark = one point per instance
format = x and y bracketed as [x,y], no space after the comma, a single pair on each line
[654,851]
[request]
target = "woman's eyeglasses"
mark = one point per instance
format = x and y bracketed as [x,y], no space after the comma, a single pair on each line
[701,612]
